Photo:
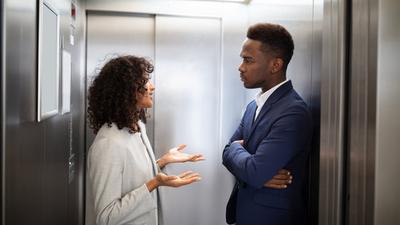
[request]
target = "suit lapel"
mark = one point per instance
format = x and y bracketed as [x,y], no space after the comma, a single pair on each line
[278,94]
[249,120]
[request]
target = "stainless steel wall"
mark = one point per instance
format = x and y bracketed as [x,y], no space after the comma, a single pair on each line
[187,110]
[387,195]
[333,106]
[36,188]
[1,110]
[374,128]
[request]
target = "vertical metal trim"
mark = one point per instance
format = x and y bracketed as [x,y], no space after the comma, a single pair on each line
[315,105]
[332,112]
[2,111]
[221,85]
[362,128]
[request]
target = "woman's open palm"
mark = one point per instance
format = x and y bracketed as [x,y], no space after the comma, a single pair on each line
[176,155]
[185,178]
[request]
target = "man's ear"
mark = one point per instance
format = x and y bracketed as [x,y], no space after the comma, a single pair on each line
[277,65]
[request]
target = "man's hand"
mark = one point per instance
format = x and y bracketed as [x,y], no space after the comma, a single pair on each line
[280,181]
[241,142]
[175,155]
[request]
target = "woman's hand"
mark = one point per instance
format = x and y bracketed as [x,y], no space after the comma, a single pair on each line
[175,155]
[185,178]
[162,179]
[280,181]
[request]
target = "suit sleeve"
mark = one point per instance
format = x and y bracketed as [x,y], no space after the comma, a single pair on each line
[289,136]
[238,135]
[105,167]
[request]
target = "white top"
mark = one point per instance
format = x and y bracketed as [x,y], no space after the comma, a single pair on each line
[119,164]
[261,97]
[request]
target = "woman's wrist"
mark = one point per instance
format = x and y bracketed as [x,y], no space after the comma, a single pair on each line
[161,162]
[152,184]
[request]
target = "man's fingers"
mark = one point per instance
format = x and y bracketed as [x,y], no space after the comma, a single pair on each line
[275,186]
[274,181]
[283,177]
[284,172]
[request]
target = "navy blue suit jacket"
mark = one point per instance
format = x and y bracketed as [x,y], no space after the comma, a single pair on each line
[279,138]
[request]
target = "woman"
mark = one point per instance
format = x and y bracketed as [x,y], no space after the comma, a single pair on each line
[122,174]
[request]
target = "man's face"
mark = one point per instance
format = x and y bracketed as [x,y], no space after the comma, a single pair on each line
[255,69]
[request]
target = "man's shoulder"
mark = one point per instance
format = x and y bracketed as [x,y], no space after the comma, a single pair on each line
[292,102]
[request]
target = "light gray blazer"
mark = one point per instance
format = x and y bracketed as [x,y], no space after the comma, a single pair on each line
[118,166]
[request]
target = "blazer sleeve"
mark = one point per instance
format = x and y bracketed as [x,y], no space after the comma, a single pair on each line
[289,136]
[106,164]
[238,135]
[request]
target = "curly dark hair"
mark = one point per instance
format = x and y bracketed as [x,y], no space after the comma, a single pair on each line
[112,95]
[275,38]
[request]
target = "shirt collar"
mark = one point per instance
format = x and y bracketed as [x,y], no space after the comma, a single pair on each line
[261,97]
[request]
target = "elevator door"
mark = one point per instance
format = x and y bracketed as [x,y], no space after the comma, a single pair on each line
[188,85]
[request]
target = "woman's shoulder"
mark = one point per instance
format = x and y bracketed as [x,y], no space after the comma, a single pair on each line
[109,138]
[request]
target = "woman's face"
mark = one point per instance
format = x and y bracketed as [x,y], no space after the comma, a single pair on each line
[145,100]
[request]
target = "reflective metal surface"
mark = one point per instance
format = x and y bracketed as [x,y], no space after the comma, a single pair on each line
[188,82]
[373,193]
[362,115]
[332,113]
[387,205]
[36,155]
[2,87]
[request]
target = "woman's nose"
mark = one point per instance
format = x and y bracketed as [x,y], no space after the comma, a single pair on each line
[151,86]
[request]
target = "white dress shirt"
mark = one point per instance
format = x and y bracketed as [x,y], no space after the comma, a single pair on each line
[261,97]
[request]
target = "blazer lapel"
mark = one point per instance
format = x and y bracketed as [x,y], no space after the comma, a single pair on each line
[148,147]
[278,94]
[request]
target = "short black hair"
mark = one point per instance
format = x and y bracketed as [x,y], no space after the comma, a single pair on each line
[275,38]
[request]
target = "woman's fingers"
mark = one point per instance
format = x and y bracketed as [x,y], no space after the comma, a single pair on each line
[181,147]
[184,174]
[197,157]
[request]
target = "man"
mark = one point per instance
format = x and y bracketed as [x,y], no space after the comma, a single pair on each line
[275,132]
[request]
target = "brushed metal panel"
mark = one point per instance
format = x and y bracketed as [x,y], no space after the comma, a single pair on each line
[362,115]
[188,84]
[113,34]
[35,154]
[23,159]
[332,113]
[2,112]
[387,195]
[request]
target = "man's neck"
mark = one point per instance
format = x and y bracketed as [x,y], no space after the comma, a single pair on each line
[273,84]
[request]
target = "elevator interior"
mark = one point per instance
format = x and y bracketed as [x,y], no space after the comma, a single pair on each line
[199,100]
